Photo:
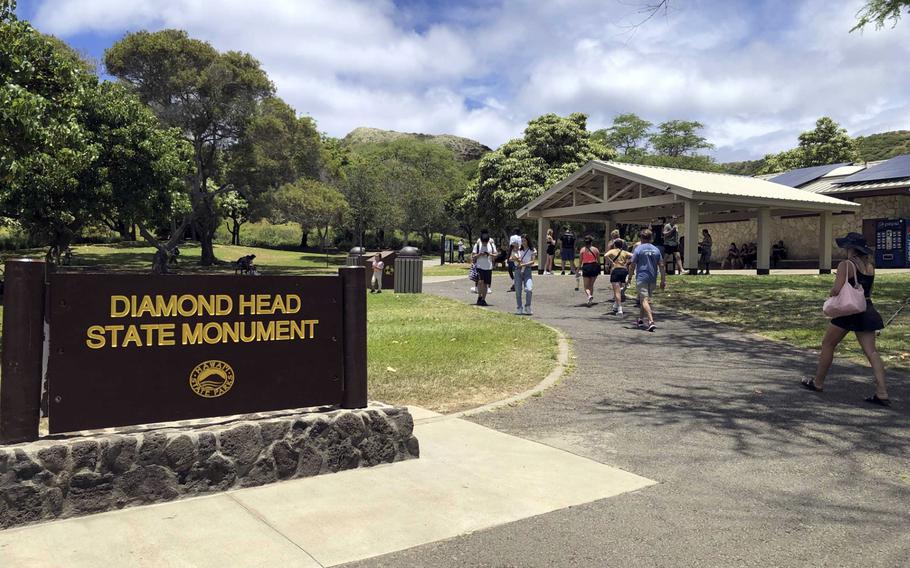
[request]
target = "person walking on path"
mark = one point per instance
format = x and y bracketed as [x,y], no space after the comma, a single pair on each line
[704,252]
[617,261]
[551,253]
[523,257]
[460,250]
[647,262]
[567,250]
[376,282]
[857,268]
[671,245]
[482,255]
[589,256]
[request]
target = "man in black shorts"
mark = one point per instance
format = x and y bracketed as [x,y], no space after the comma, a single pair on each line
[672,258]
[567,250]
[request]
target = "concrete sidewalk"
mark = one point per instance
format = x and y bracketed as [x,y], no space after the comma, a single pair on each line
[467,479]
[753,470]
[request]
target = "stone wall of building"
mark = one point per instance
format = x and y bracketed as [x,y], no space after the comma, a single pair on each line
[800,234]
[65,477]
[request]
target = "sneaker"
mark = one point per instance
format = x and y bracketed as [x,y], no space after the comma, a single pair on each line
[519,311]
[651,326]
[483,302]
[640,323]
[563,273]
[473,289]
[614,309]
[379,291]
[619,312]
[528,311]
[590,300]
[548,273]
[511,288]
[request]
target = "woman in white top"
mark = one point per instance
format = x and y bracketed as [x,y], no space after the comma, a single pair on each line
[523,258]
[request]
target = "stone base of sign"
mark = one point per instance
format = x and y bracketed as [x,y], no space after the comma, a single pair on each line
[75,475]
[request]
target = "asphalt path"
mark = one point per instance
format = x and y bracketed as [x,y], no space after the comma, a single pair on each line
[752,469]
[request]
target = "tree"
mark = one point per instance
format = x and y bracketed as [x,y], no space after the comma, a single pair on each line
[827,143]
[140,168]
[521,169]
[236,208]
[210,96]
[628,134]
[679,138]
[880,11]
[368,205]
[312,204]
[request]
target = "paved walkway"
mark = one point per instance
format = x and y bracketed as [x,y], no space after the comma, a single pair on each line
[752,470]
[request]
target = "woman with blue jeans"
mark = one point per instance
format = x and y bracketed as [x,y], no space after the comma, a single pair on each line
[523,257]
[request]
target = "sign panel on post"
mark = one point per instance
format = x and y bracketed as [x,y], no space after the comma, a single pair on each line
[132,349]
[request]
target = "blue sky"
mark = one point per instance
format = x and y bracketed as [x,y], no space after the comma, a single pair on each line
[755,72]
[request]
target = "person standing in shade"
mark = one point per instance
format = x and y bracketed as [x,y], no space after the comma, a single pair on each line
[671,245]
[514,243]
[460,250]
[617,261]
[567,250]
[523,256]
[647,262]
[704,252]
[589,256]
[857,268]
[483,254]
[551,253]
[376,281]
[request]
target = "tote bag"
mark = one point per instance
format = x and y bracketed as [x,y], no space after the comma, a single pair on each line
[850,300]
[472,273]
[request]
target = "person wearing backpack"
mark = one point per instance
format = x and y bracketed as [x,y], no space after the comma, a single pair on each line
[857,268]
[617,261]
[567,251]
[482,256]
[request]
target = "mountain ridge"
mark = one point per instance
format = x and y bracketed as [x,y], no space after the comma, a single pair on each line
[464,149]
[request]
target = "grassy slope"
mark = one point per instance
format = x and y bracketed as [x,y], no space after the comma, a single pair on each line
[789,308]
[446,356]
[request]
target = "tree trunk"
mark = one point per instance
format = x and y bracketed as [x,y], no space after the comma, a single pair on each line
[235,232]
[303,238]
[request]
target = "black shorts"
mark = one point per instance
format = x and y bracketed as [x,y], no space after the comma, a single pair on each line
[485,276]
[619,275]
[590,269]
[671,249]
[551,250]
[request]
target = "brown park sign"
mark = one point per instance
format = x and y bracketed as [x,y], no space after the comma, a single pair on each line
[133,349]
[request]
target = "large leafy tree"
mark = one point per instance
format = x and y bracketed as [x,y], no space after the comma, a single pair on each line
[827,143]
[210,96]
[679,138]
[73,152]
[628,135]
[312,204]
[521,169]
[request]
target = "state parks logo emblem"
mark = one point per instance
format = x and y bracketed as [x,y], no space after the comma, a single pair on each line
[211,379]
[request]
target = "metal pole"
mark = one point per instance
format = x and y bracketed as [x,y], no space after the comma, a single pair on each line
[354,338]
[23,344]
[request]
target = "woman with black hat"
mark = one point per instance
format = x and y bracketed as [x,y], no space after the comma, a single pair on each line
[863,324]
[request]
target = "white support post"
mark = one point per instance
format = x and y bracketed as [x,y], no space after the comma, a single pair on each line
[763,262]
[825,242]
[541,243]
[606,188]
[690,214]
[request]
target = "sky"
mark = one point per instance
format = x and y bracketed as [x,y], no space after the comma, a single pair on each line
[755,72]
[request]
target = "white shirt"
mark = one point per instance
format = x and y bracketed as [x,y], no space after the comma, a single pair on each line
[485,262]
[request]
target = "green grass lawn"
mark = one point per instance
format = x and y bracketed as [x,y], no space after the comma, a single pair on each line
[137,257]
[789,308]
[447,269]
[447,356]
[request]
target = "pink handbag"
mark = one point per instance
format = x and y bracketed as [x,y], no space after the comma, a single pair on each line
[850,300]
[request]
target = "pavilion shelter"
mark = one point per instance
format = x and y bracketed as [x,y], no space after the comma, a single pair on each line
[613,193]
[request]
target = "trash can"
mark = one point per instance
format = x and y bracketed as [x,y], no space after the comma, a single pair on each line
[409,271]
[355,256]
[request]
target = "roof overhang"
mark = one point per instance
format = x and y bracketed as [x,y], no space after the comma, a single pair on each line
[632,190]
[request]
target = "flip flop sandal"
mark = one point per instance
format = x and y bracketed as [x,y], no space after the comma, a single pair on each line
[879,401]
[810,385]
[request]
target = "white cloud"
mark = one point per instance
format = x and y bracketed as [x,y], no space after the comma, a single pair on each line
[756,73]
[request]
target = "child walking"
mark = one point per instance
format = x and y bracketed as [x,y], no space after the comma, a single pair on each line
[376,282]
